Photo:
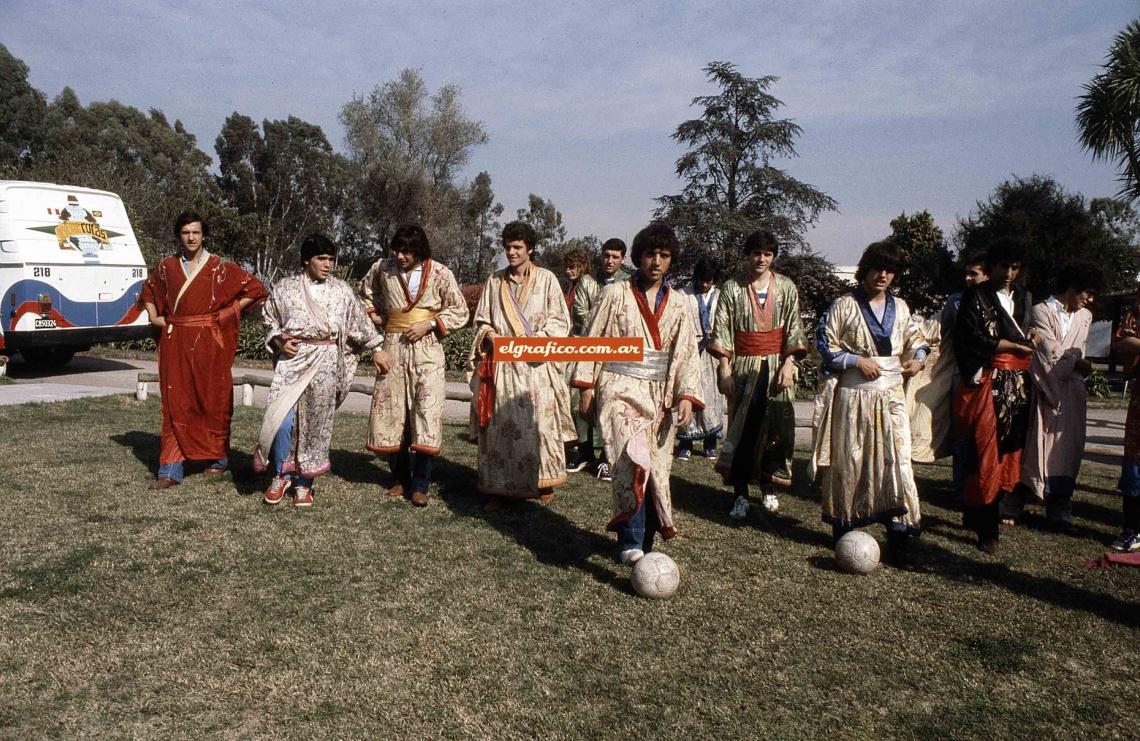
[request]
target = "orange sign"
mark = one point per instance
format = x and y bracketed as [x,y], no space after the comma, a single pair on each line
[571,349]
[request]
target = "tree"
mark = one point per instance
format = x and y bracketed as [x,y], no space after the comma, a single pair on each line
[283,184]
[930,271]
[731,186]
[22,113]
[1108,114]
[407,147]
[546,220]
[816,282]
[1054,226]
[481,231]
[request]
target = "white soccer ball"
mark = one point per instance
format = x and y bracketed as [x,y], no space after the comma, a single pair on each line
[857,552]
[655,576]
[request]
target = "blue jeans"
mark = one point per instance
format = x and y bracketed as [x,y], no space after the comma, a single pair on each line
[412,469]
[283,447]
[638,531]
[175,471]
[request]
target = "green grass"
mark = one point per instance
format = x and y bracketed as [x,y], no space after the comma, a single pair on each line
[200,612]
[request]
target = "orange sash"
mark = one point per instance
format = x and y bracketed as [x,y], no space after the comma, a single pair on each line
[750,344]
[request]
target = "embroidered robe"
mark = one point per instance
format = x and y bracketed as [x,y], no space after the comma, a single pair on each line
[415,387]
[637,416]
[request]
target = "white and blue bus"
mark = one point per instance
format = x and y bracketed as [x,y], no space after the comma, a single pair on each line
[70,271]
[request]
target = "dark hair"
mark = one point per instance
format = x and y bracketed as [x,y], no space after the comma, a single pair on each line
[615,245]
[411,238]
[576,256]
[316,244]
[1004,249]
[1080,275]
[520,230]
[975,258]
[189,217]
[706,269]
[882,255]
[762,241]
[656,236]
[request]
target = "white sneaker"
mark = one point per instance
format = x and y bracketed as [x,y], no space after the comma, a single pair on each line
[631,556]
[739,508]
[771,503]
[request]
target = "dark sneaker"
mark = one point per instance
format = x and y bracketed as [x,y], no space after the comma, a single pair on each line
[711,454]
[684,454]
[604,472]
[1128,542]
[575,463]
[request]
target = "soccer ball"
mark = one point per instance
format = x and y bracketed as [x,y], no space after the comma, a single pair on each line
[655,576]
[857,552]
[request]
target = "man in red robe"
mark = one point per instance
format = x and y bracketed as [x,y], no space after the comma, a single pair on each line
[196,300]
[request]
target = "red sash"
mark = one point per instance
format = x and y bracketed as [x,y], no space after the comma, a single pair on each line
[1011,361]
[759,343]
[485,404]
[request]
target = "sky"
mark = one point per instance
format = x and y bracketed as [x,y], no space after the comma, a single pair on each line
[904,106]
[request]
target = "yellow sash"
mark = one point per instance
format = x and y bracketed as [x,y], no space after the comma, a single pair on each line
[401,321]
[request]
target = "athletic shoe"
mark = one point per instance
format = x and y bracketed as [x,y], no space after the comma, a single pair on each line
[604,472]
[771,503]
[575,463]
[739,508]
[630,556]
[277,488]
[1128,542]
[711,454]
[302,497]
[684,454]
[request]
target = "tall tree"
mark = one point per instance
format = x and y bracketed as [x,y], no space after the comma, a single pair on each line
[1054,226]
[1108,114]
[481,214]
[21,114]
[407,147]
[930,272]
[284,182]
[731,184]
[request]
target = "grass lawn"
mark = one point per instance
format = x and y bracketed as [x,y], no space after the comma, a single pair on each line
[200,612]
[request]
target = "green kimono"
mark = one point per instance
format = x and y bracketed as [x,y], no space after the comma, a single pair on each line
[760,419]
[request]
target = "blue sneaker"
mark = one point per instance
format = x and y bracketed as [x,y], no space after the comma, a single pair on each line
[684,454]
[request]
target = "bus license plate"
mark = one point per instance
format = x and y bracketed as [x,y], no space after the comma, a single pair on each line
[48,323]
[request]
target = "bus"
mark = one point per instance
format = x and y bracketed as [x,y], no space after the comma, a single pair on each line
[70,272]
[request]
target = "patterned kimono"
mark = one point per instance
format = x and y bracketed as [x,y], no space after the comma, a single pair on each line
[710,420]
[580,300]
[315,380]
[991,405]
[757,339]
[861,432]
[414,389]
[196,352]
[1056,439]
[635,402]
[524,408]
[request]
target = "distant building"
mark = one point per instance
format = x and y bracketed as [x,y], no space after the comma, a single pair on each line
[845,273]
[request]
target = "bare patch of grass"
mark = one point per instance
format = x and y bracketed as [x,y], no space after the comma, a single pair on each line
[198,611]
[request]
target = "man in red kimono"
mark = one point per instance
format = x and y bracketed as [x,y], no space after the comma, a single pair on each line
[196,300]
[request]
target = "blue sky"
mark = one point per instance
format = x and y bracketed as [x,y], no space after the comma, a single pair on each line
[904,106]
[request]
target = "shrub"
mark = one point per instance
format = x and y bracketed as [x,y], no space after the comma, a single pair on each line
[456,347]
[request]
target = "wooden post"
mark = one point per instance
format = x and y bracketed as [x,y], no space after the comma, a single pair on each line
[141,391]
[247,394]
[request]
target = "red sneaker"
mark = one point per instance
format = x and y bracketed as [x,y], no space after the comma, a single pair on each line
[302,497]
[276,491]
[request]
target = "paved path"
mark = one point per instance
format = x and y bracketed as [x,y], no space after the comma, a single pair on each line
[89,375]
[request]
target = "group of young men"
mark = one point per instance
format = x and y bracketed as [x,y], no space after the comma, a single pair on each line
[709,353]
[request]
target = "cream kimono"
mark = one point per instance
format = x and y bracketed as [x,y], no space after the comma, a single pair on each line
[413,391]
[636,402]
[332,330]
[524,407]
[861,446]
[758,338]
[1056,439]
[928,397]
[710,420]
